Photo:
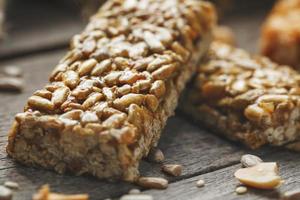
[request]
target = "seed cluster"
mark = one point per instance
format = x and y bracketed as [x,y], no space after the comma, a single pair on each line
[121,62]
[264,175]
[249,160]
[250,99]
[11,79]
[153,182]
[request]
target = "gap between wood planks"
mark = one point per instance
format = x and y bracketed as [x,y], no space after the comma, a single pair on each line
[185,186]
[34,52]
[221,184]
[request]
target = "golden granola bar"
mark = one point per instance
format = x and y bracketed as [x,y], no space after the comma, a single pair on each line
[247,99]
[109,98]
[280,38]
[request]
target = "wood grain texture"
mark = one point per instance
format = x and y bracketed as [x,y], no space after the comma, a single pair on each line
[35,25]
[221,184]
[202,154]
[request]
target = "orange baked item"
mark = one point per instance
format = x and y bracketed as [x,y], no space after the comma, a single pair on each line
[280,39]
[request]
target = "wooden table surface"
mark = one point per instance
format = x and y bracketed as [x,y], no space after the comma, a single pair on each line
[38,34]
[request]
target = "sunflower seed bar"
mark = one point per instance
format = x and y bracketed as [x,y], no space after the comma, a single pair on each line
[248,99]
[109,98]
[280,38]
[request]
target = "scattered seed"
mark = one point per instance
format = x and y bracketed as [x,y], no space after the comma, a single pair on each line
[241,190]
[200,183]
[153,182]
[136,197]
[12,71]
[11,185]
[291,195]
[40,103]
[249,160]
[261,176]
[134,191]
[5,193]
[174,170]
[11,84]
[156,155]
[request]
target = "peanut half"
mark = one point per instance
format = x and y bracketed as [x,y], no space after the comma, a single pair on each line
[261,176]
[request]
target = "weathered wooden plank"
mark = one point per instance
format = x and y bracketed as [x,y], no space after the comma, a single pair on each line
[38,25]
[30,179]
[183,143]
[221,184]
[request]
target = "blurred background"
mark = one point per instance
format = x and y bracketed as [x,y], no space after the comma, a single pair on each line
[39,25]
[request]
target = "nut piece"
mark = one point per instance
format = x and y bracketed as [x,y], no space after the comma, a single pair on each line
[5,193]
[134,191]
[174,170]
[45,194]
[249,160]
[153,182]
[241,190]
[136,197]
[156,155]
[11,84]
[12,71]
[200,183]
[291,195]
[261,176]
[11,185]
